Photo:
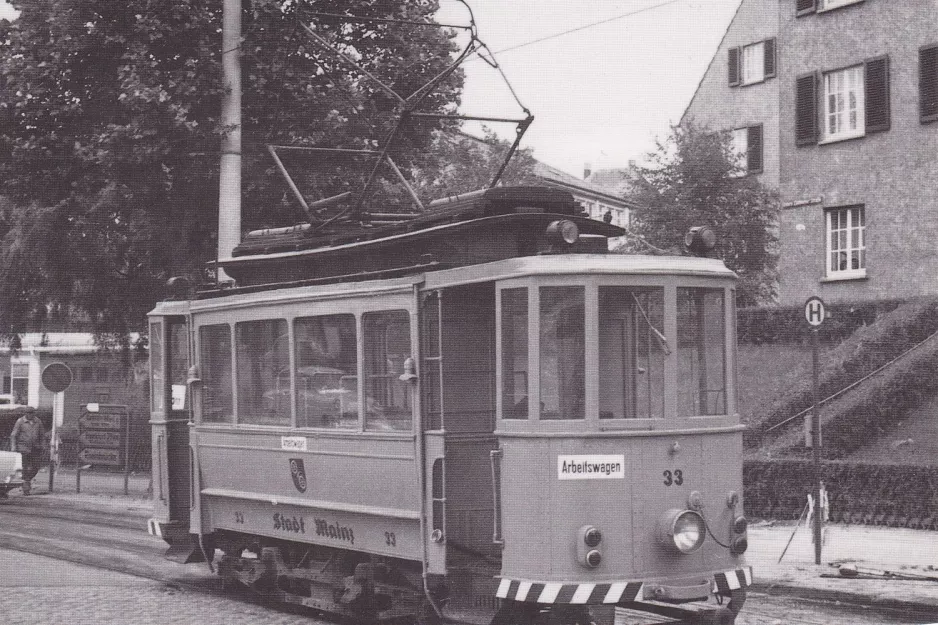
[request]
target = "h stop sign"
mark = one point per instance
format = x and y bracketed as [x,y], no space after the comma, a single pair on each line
[56,377]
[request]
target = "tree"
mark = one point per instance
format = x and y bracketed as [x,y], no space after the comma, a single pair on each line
[109,133]
[692,180]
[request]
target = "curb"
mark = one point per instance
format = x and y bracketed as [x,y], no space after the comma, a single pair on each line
[843,596]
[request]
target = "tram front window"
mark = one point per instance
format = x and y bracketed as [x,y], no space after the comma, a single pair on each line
[326,372]
[264,387]
[563,352]
[701,351]
[514,353]
[631,353]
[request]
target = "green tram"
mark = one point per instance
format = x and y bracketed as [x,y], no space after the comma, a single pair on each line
[479,416]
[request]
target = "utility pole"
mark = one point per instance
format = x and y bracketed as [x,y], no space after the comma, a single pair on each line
[229,178]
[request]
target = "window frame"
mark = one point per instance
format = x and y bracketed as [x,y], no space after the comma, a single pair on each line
[928,85]
[767,67]
[824,112]
[831,274]
[759,74]
[824,6]
[745,160]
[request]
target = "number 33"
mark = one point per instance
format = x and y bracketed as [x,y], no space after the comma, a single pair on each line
[676,478]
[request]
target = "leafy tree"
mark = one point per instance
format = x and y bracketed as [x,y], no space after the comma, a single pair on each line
[692,180]
[109,133]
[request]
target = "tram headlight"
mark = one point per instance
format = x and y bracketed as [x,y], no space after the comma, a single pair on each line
[682,530]
[563,231]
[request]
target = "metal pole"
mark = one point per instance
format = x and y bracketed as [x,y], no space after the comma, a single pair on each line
[816,447]
[229,179]
[126,417]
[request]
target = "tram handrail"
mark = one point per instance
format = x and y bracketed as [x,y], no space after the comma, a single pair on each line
[495,457]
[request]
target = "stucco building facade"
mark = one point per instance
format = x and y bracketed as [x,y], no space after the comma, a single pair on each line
[856,109]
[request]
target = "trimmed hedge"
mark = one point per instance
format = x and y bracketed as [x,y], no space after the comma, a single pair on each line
[866,350]
[861,493]
[786,324]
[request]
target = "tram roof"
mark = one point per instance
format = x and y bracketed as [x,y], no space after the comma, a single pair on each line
[580,264]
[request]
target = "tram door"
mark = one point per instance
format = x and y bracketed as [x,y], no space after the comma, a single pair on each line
[169,403]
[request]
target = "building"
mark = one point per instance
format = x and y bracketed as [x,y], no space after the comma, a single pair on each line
[98,375]
[853,92]
[600,193]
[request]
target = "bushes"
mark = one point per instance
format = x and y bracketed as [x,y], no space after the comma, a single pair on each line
[872,494]
[761,326]
[867,349]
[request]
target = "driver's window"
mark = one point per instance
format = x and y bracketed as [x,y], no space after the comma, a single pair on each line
[326,372]
[263,371]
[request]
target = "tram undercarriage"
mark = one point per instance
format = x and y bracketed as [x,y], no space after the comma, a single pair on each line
[368,590]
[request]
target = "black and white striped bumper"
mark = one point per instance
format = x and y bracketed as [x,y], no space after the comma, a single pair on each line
[556,592]
[732,580]
[593,594]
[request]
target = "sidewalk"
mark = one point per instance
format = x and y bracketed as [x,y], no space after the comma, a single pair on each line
[873,549]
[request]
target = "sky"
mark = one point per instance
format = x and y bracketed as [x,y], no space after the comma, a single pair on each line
[601,94]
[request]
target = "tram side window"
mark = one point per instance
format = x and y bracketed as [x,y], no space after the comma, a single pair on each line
[215,359]
[563,353]
[326,372]
[263,372]
[514,353]
[631,353]
[386,337]
[701,351]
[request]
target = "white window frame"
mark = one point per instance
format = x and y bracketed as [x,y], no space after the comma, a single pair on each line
[752,63]
[827,5]
[843,103]
[842,252]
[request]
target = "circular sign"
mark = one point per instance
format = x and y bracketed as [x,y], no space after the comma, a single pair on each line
[56,377]
[814,312]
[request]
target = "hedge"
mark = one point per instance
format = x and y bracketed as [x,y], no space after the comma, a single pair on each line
[860,493]
[786,324]
[867,349]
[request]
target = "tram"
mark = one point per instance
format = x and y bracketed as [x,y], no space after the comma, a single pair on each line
[476,416]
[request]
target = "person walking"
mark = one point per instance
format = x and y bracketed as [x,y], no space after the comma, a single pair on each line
[29,438]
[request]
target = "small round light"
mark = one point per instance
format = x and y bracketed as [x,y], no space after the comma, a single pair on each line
[593,558]
[740,545]
[695,500]
[740,524]
[563,230]
[592,537]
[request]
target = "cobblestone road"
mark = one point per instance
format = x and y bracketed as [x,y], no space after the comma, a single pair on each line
[35,590]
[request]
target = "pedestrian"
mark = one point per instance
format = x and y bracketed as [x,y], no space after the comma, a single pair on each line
[29,438]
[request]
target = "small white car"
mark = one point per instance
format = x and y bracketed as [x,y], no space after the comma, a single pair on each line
[11,472]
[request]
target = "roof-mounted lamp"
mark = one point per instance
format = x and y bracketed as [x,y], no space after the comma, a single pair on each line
[699,240]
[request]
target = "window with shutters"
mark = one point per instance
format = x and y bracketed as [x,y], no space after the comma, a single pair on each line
[827,5]
[843,104]
[928,83]
[806,7]
[751,64]
[746,150]
[846,243]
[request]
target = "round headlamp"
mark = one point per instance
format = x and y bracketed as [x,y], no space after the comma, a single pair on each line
[682,530]
[563,231]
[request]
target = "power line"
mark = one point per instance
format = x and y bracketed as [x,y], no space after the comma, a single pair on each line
[586,26]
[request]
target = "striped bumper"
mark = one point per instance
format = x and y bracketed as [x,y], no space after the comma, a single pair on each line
[732,580]
[555,592]
[593,594]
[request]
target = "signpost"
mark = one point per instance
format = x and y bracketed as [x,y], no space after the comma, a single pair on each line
[104,439]
[56,377]
[814,314]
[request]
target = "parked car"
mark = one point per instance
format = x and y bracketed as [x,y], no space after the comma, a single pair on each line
[11,472]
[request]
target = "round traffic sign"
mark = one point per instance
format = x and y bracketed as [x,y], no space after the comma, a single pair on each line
[814,311]
[56,377]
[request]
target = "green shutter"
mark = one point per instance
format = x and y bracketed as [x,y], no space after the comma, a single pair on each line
[754,149]
[804,7]
[733,66]
[806,126]
[876,83]
[769,50]
[928,83]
